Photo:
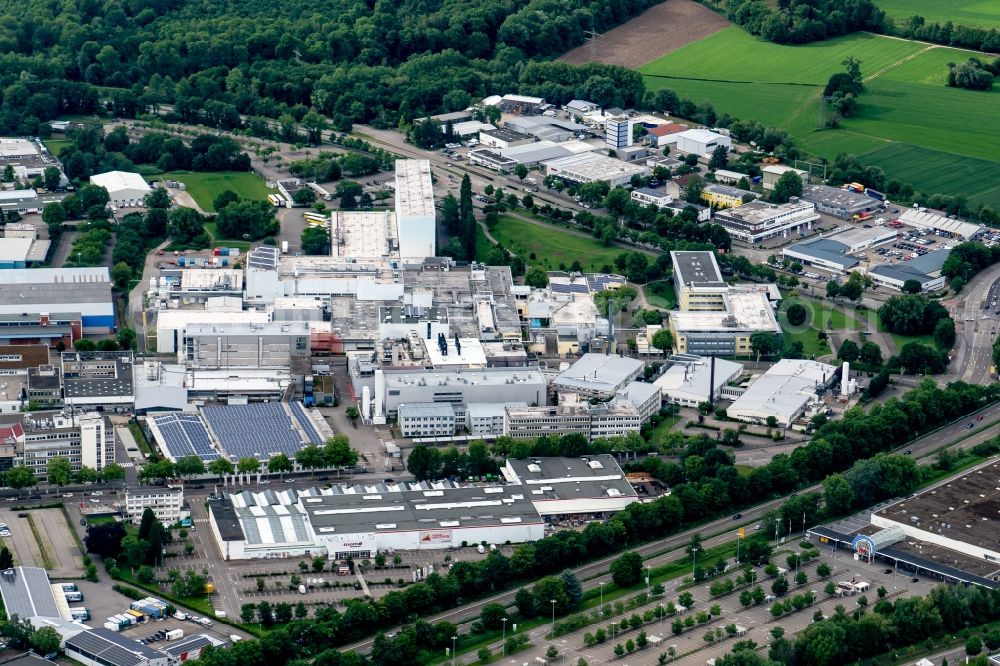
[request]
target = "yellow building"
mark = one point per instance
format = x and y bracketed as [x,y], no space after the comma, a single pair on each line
[725,196]
[724,332]
[698,281]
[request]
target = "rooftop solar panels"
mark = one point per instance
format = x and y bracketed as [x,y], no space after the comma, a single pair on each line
[107,647]
[574,288]
[27,593]
[255,430]
[185,435]
[306,424]
[600,282]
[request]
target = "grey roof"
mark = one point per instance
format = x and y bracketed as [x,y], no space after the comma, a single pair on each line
[273,524]
[507,135]
[599,372]
[728,190]
[834,197]
[226,520]
[187,644]
[112,648]
[415,409]
[27,593]
[639,392]
[931,262]
[919,269]
[27,659]
[653,192]
[571,478]
[696,267]
[31,296]
[77,386]
[826,249]
[427,509]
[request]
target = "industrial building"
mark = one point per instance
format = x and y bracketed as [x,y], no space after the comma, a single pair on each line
[16,364]
[22,202]
[665,135]
[27,593]
[98,381]
[166,502]
[757,221]
[533,154]
[545,128]
[364,235]
[593,168]
[467,128]
[592,486]
[945,531]
[490,159]
[618,131]
[426,419]
[921,218]
[521,104]
[415,212]
[103,647]
[598,421]
[825,253]
[171,325]
[29,157]
[276,344]
[726,196]
[358,521]
[686,382]
[727,177]
[698,281]
[33,292]
[597,376]
[700,142]
[839,202]
[772,173]
[726,331]
[580,106]
[562,316]
[49,329]
[926,270]
[125,188]
[395,387]
[789,390]
[503,138]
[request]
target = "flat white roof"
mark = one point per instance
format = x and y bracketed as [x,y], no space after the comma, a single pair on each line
[472,353]
[414,190]
[115,181]
[14,249]
[783,390]
[18,195]
[11,148]
[859,235]
[693,378]
[928,220]
[744,311]
[169,319]
[55,275]
[594,166]
[229,279]
[778,169]
[363,234]
[699,135]
[599,372]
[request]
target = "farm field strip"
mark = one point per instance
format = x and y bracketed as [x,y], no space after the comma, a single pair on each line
[974,13]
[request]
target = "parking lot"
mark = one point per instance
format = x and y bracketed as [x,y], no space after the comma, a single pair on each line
[64,557]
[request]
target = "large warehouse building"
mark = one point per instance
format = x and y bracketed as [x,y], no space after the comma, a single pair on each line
[126,189]
[358,521]
[594,168]
[86,291]
[926,270]
[786,391]
[415,213]
[724,332]
[757,221]
[839,202]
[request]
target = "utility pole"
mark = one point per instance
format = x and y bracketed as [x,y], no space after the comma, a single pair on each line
[592,41]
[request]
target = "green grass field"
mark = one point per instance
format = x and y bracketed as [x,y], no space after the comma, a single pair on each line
[661,294]
[907,119]
[213,231]
[977,13]
[55,145]
[553,247]
[204,187]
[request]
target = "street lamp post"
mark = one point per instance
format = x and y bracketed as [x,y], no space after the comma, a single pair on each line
[662,612]
[503,646]
[601,584]
[553,618]
[453,639]
[694,563]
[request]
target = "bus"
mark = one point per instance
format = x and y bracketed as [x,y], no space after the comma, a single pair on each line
[276,200]
[315,219]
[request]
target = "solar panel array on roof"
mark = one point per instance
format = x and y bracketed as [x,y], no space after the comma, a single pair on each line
[305,423]
[264,257]
[107,647]
[574,288]
[257,430]
[600,282]
[185,435]
[27,593]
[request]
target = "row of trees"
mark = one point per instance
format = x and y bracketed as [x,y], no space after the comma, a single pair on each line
[802,21]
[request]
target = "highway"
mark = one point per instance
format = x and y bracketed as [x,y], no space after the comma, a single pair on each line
[976,318]
[719,531]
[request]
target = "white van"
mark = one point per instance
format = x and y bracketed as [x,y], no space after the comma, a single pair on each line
[481,548]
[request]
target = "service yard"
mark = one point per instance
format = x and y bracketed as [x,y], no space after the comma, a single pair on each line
[42,538]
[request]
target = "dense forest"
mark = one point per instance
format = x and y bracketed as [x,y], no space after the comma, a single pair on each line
[349,59]
[801,21]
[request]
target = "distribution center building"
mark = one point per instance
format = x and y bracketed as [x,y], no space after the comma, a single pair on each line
[125,188]
[786,391]
[415,213]
[594,168]
[86,291]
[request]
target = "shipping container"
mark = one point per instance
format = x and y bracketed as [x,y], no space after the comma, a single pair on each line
[174,634]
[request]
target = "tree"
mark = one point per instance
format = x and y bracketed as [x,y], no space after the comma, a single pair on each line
[693,189]
[832,289]
[573,588]
[871,354]
[627,569]
[424,462]
[838,495]
[848,352]
[719,159]
[86,475]
[248,612]
[912,286]
[484,654]
[280,464]
[189,466]
[46,641]
[823,570]
[58,471]
[537,277]
[315,241]
[185,224]
[6,559]
[552,652]
[663,340]
[521,172]
[113,472]
[121,274]
[304,196]
[337,452]
[54,214]
[944,333]
[220,467]
[763,343]
[348,191]
[52,177]
[247,465]
[973,646]
[796,314]
[492,615]
[314,124]
[224,198]
[779,586]
[789,185]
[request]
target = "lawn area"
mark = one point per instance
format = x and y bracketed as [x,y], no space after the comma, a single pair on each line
[55,145]
[553,248]
[661,294]
[901,340]
[976,13]
[819,317]
[907,117]
[204,187]
[213,231]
